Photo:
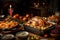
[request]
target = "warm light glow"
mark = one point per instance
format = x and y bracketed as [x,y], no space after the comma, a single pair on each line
[10,6]
[24,18]
[27,15]
[20,17]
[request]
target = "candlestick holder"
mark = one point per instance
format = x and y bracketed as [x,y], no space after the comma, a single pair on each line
[36,5]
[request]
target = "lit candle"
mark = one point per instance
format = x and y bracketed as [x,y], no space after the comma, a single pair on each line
[10,10]
[10,6]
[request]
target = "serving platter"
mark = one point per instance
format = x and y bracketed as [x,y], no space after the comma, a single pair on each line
[11,25]
[12,30]
[38,32]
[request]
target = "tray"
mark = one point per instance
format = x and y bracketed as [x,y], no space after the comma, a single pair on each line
[12,30]
[38,32]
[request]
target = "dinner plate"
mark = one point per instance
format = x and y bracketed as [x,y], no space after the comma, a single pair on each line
[8,36]
[22,34]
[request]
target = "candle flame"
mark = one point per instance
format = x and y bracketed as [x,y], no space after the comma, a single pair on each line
[10,6]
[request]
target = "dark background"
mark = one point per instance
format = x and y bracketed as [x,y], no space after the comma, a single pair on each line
[22,6]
